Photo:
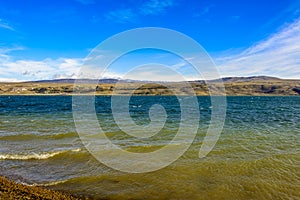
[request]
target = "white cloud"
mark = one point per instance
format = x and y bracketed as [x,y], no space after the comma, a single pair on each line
[278,55]
[153,72]
[11,80]
[17,70]
[112,74]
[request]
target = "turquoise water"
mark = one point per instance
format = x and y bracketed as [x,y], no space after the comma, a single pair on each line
[256,157]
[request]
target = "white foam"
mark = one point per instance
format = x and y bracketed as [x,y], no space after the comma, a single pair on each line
[35,156]
[50,183]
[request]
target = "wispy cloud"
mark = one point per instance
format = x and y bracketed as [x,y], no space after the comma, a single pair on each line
[150,7]
[205,10]
[4,24]
[4,54]
[155,7]
[6,50]
[234,18]
[121,16]
[278,55]
[86,2]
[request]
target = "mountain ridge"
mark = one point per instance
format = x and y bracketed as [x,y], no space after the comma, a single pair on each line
[114,80]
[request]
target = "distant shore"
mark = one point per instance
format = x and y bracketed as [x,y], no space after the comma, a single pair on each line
[10,190]
[234,86]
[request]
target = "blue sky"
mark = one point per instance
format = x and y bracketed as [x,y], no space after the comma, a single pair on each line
[50,39]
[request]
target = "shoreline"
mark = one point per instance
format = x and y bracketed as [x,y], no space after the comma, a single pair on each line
[11,190]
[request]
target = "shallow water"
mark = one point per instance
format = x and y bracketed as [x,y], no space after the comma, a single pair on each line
[256,157]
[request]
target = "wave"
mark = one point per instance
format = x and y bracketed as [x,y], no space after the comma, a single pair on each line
[35,136]
[48,184]
[78,179]
[35,156]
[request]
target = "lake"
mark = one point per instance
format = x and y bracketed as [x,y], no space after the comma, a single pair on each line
[256,157]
